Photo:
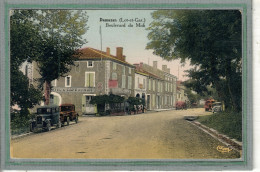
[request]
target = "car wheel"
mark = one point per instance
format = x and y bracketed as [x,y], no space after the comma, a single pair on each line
[68,120]
[59,124]
[32,129]
[77,119]
[48,126]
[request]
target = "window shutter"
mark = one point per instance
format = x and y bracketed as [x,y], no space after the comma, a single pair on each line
[91,78]
[87,80]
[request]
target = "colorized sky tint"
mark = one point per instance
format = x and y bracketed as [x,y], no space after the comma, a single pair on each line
[132,39]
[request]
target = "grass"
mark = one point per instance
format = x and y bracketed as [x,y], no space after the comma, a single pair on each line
[228,123]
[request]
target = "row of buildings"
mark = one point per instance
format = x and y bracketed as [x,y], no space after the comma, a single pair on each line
[97,73]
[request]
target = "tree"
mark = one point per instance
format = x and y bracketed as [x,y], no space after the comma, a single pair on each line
[211,40]
[23,94]
[24,39]
[61,32]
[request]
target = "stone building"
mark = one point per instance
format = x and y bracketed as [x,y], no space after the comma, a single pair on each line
[94,73]
[160,90]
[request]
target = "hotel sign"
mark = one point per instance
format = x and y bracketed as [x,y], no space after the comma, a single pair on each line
[73,90]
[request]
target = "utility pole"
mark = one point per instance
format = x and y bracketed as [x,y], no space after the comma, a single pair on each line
[100,32]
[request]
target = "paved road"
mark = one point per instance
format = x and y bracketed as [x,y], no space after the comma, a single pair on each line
[160,135]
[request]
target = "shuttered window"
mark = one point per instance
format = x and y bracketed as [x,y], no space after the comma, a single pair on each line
[90,79]
[129,82]
[123,81]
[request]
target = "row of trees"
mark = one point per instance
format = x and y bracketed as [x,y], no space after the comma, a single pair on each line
[51,38]
[211,40]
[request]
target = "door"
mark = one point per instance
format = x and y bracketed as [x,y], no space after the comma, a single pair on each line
[89,108]
[148,102]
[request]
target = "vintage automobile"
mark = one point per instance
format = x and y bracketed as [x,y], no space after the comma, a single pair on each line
[181,105]
[208,104]
[45,118]
[67,113]
[217,107]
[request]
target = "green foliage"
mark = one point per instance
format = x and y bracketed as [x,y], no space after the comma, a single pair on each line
[22,94]
[24,38]
[135,101]
[49,37]
[228,123]
[61,33]
[210,40]
[19,123]
[103,99]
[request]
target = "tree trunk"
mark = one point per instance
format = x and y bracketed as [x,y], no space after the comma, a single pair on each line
[47,92]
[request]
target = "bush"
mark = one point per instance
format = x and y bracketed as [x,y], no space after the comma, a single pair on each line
[19,123]
[228,123]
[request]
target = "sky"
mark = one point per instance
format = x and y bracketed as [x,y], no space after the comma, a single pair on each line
[132,39]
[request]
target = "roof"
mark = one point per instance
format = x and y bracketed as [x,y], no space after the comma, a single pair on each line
[91,53]
[146,73]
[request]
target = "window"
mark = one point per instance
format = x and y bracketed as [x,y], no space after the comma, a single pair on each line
[123,81]
[90,79]
[150,84]
[123,70]
[129,82]
[129,70]
[153,85]
[114,66]
[114,76]
[143,83]
[68,81]
[90,63]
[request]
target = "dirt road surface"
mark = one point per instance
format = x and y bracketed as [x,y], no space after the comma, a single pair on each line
[160,135]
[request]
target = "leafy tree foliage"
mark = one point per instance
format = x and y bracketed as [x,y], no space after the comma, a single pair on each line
[51,38]
[61,32]
[23,45]
[210,40]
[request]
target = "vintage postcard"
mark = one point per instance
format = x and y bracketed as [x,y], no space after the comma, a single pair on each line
[151,86]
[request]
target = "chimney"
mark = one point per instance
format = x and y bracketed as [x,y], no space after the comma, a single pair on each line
[168,70]
[136,66]
[155,64]
[119,53]
[164,68]
[123,58]
[141,64]
[108,51]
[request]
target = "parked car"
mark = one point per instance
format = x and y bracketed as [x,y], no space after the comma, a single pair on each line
[180,105]
[217,107]
[45,118]
[208,104]
[67,114]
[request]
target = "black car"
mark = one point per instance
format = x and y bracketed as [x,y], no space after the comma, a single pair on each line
[45,118]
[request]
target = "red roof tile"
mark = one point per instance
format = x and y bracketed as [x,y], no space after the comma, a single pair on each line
[91,53]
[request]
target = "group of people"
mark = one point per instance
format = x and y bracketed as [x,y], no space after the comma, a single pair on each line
[136,109]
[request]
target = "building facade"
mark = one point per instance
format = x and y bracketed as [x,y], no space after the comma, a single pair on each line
[97,72]
[94,73]
[160,90]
